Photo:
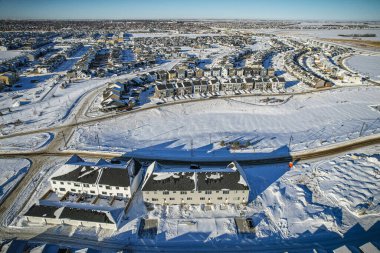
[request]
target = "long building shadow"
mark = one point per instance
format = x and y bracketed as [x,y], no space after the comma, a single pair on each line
[167,151]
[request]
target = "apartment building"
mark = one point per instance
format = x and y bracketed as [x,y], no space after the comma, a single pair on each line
[195,185]
[100,178]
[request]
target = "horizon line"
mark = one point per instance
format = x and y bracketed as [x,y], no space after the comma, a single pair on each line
[183,19]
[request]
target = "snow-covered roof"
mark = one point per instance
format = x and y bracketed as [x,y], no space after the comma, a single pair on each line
[180,178]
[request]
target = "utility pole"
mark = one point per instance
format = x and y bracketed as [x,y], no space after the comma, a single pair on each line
[361,130]
[191,143]
[290,141]
[64,138]
[97,137]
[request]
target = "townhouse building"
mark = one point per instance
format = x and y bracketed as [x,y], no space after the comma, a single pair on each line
[195,185]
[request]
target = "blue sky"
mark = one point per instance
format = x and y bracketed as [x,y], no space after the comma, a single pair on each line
[188,9]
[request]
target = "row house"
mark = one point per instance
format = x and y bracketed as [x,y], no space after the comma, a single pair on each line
[100,178]
[195,185]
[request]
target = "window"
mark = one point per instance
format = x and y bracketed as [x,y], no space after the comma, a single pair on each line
[236,198]
[73,190]
[104,193]
[76,184]
[68,183]
[54,182]
[100,186]
[199,191]
[120,194]
[208,192]
[183,193]
[189,198]
[202,198]
[92,191]
[155,192]
[61,183]
[172,198]
[154,199]
[216,191]
[86,185]
[174,192]
[126,188]
[108,187]
[117,187]
[62,189]
[165,193]
[226,192]
[220,198]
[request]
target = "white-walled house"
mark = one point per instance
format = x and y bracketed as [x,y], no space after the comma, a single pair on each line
[195,186]
[100,178]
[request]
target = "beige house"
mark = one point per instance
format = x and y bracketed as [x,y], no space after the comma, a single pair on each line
[195,185]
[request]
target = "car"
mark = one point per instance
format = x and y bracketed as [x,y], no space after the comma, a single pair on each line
[195,166]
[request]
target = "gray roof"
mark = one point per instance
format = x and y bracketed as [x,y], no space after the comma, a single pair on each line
[115,177]
[165,179]
[82,174]
[85,215]
[161,86]
[42,211]
[183,182]
[226,180]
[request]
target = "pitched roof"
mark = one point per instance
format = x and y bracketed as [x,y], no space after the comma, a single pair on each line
[82,174]
[115,177]
[186,179]
[167,181]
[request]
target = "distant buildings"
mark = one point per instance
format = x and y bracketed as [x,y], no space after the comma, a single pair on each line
[214,85]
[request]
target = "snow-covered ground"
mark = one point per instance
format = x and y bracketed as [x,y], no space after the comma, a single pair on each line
[365,65]
[11,172]
[31,142]
[332,34]
[6,55]
[196,129]
[317,201]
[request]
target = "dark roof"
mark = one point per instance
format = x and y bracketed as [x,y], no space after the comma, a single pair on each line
[187,84]
[183,183]
[42,211]
[114,177]
[197,82]
[226,180]
[281,79]
[249,80]
[161,86]
[85,215]
[83,174]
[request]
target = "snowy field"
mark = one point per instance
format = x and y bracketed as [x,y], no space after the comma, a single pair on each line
[30,142]
[365,65]
[11,171]
[196,129]
[332,34]
[328,197]
[6,55]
